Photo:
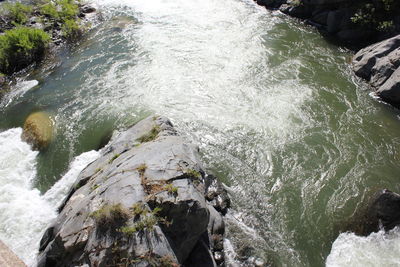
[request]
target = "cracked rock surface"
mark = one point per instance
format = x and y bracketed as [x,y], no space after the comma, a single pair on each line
[142,203]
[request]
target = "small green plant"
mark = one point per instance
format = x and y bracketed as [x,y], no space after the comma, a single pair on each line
[167,261]
[385,26]
[114,158]
[110,215]
[17,12]
[128,230]
[139,209]
[378,15]
[171,189]
[155,260]
[94,187]
[193,173]
[20,47]
[141,168]
[150,136]
[145,219]
[98,170]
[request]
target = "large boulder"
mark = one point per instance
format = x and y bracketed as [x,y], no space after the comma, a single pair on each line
[142,203]
[38,130]
[379,64]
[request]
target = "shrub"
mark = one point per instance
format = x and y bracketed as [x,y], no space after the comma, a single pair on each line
[69,9]
[70,29]
[21,47]
[378,15]
[50,10]
[60,10]
[17,12]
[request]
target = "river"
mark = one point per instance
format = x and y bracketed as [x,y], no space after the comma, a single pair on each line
[275,109]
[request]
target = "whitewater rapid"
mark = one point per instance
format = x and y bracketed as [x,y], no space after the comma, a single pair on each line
[24,212]
[375,250]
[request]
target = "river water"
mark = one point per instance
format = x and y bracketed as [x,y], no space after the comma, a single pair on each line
[275,109]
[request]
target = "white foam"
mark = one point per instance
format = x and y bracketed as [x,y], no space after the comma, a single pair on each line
[24,212]
[377,249]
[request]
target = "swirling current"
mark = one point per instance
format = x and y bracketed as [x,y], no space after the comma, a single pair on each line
[274,107]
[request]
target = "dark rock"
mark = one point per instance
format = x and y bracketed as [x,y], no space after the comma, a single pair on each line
[87,9]
[320,17]
[216,194]
[339,20]
[271,3]
[140,202]
[382,212]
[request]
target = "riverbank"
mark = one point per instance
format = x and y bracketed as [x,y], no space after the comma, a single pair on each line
[35,32]
[355,24]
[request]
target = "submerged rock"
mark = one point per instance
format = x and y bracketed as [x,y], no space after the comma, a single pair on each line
[379,64]
[382,212]
[142,203]
[38,130]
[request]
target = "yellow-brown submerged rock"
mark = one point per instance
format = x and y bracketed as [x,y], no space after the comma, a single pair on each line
[38,130]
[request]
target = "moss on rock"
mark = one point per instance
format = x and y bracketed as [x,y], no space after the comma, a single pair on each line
[38,130]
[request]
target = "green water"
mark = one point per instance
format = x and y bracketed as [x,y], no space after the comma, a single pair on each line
[275,109]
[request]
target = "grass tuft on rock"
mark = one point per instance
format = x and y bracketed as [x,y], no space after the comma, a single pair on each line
[110,216]
[150,136]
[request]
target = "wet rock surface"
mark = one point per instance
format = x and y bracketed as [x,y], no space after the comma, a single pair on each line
[382,212]
[142,203]
[38,130]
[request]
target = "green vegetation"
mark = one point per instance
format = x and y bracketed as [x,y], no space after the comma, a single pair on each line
[65,12]
[171,189]
[94,187]
[71,30]
[20,47]
[150,136]
[110,215]
[378,15]
[17,13]
[155,260]
[141,168]
[59,10]
[193,173]
[145,219]
[114,158]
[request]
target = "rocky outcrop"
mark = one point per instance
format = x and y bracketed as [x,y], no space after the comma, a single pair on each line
[379,64]
[38,130]
[142,203]
[353,23]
